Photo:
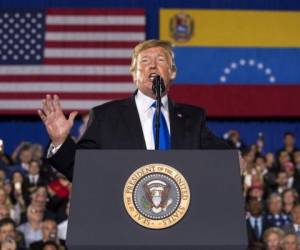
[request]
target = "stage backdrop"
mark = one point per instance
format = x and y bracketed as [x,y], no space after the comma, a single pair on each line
[235,58]
[236,62]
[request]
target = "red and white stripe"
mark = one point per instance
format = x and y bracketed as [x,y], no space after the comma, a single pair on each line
[86,61]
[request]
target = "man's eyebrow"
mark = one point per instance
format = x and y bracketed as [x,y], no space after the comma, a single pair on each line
[145,56]
[160,54]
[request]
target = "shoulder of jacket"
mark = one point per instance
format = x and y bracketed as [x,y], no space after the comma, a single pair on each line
[109,106]
[190,108]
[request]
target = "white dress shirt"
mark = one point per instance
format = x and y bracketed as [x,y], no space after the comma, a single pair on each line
[62,230]
[146,113]
[259,223]
[33,179]
[296,227]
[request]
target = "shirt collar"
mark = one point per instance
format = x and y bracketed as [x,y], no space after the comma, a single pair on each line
[296,227]
[145,102]
[252,218]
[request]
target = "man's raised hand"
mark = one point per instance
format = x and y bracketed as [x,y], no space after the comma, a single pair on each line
[57,125]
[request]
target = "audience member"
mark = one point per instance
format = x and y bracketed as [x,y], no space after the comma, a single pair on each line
[275,217]
[294,227]
[9,237]
[256,222]
[272,238]
[36,198]
[49,231]
[290,242]
[290,198]
[32,229]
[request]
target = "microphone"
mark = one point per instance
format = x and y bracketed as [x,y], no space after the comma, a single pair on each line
[158,85]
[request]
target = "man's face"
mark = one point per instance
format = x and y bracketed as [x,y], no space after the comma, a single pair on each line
[49,229]
[34,168]
[7,230]
[255,207]
[35,213]
[275,205]
[283,157]
[289,140]
[151,62]
[289,197]
[282,179]
[39,198]
[290,242]
[297,157]
[270,158]
[25,156]
[4,212]
[260,162]
[290,172]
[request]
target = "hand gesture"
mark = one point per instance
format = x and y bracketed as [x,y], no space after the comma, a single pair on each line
[57,125]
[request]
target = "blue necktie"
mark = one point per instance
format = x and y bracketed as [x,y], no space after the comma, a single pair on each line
[164,137]
[256,228]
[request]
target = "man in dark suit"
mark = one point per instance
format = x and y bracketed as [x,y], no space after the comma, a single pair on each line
[256,222]
[34,179]
[294,227]
[128,123]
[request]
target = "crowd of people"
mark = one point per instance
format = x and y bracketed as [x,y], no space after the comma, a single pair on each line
[34,201]
[34,198]
[271,186]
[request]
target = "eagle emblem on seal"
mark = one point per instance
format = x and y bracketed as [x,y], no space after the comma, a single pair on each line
[156,196]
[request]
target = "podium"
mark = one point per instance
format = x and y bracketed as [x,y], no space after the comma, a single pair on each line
[215,218]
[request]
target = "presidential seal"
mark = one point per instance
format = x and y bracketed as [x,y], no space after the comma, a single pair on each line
[156,196]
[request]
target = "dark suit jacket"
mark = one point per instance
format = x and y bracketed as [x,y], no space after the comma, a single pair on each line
[288,229]
[41,182]
[116,125]
[252,237]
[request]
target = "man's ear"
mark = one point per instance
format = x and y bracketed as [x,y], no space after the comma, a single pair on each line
[173,74]
[134,77]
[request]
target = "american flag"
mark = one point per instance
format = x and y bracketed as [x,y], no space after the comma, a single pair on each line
[83,55]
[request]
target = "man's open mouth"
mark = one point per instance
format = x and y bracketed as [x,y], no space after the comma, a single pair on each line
[152,76]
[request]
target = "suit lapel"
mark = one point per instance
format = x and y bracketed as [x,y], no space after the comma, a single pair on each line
[176,126]
[132,121]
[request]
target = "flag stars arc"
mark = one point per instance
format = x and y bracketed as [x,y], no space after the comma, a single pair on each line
[246,63]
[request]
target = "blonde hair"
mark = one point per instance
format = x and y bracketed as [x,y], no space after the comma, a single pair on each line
[273,230]
[7,201]
[151,44]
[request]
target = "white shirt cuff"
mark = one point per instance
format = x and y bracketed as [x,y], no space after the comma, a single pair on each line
[52,150]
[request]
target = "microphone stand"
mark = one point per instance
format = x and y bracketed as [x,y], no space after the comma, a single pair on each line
[158,88]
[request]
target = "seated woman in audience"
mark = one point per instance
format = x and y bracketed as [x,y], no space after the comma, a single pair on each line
[14,210]
[290,198]
[272,238]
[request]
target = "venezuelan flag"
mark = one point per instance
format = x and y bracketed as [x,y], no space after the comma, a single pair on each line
[236,62]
